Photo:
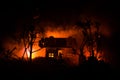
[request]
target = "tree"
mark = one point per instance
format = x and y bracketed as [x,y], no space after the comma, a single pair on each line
[88,39]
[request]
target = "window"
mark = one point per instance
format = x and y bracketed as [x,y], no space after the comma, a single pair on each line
[51,55]
[59,52]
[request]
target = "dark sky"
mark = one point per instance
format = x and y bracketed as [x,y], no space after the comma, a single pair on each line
[12,11]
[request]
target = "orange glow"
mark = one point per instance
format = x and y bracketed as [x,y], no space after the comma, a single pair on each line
[60,33]
[36,50]
[40,53]
[72,31]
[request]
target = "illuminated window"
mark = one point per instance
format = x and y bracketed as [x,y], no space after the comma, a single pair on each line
[51,55]
[59,52]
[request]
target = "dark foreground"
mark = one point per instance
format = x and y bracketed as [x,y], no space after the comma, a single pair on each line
[41,69]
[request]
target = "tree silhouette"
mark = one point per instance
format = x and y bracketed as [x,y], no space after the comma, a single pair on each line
[88,39]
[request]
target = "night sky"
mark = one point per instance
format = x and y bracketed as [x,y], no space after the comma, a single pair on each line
[13,11]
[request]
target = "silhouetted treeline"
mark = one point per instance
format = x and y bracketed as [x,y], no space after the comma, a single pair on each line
[53,69]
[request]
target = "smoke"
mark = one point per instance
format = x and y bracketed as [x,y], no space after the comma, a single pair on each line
[47,28]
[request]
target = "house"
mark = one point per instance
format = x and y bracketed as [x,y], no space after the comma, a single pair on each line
[55,46]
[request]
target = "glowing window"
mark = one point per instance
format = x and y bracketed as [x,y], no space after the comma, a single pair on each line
[59,52]
[51,55]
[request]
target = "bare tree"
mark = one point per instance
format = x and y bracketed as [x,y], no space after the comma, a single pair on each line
[88,39]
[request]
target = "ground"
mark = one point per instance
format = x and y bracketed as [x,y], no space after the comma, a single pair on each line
[55,70]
